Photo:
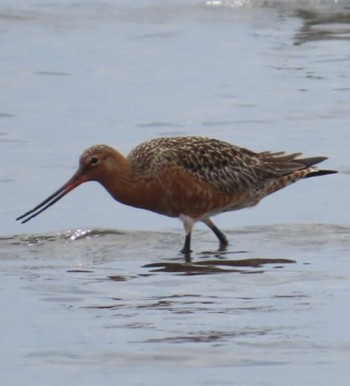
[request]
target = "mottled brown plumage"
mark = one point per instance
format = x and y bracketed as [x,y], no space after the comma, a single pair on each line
[192,178]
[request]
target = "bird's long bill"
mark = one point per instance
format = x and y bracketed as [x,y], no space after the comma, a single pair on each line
[75,181]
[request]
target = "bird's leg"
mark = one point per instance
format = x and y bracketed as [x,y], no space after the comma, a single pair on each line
[186,250]
[222,238]
[188,225]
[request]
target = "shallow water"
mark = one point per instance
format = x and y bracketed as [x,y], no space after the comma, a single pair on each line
[110,300]
[97,305]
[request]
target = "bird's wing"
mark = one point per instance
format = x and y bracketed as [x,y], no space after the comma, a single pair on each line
[231,168]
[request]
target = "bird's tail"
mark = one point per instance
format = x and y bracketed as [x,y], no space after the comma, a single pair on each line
[320,173]
[310,162]
[293,169]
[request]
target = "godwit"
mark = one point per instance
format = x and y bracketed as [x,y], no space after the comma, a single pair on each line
[193,178]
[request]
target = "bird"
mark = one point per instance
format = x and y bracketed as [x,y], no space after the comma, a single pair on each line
[192,178]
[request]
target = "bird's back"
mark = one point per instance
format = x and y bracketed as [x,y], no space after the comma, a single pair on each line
[230,168]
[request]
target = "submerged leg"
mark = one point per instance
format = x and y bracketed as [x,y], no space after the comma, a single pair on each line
[222,238]
[188,225]
[187,245]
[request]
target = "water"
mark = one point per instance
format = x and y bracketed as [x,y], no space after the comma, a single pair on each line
[95,292]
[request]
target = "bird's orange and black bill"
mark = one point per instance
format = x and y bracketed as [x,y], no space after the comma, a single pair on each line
[75,181]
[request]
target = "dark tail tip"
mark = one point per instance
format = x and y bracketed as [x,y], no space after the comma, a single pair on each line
[307,162]
[320,173]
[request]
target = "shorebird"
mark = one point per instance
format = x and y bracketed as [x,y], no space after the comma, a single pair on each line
[192,178]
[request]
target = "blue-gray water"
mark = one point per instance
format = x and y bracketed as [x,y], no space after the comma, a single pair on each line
[93,292]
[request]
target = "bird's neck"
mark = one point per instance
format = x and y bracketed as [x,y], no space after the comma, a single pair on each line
[121,183]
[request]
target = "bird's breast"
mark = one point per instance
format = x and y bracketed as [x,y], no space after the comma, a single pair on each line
[175,191]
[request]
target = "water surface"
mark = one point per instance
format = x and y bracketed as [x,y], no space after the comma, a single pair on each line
[96,305]
[95,292]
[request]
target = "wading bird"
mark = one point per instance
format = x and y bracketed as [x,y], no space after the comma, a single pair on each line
[193,178]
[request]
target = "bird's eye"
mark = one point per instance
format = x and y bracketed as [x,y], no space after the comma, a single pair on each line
[94,161]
